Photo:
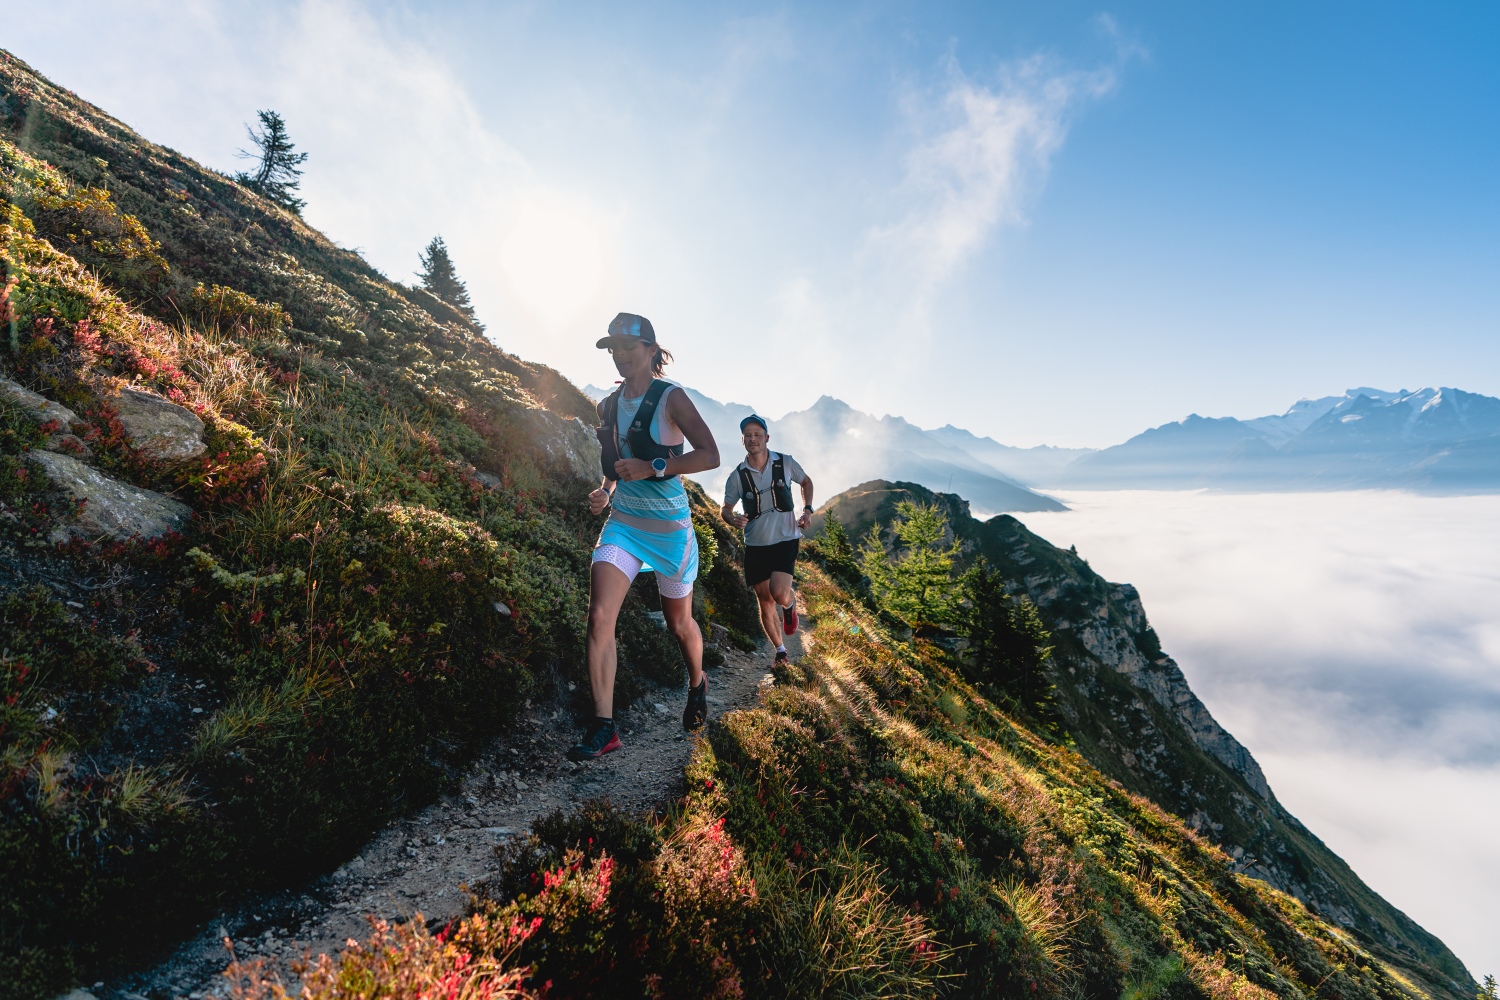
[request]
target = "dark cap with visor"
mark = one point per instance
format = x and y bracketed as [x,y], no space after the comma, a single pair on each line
[628,328]
[754,419]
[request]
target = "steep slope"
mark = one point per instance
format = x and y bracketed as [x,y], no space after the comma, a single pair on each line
[1133,715]
[875,828]
[282,544]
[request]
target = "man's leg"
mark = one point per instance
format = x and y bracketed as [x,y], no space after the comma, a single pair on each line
[770,612]
[679,614]
[781,589]
[608,586]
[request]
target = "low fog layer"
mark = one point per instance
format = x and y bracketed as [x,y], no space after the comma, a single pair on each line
[1351,641]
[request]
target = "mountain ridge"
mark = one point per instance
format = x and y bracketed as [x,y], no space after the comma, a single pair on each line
[1436,439]
[840,446]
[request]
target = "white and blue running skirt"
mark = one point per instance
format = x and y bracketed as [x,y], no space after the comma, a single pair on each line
[636,544]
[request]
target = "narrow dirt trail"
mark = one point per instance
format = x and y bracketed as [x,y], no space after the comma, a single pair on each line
[418,862]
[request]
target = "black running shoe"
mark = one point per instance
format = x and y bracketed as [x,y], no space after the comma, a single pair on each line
[601,738]
[696,712]
[779,672]
[781,659]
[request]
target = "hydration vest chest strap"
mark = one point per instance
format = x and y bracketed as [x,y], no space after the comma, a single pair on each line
[642,444]
[781,490]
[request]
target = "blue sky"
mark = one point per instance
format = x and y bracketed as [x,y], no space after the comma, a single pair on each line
[1047,222]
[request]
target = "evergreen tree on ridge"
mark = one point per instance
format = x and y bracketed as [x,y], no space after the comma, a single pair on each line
[440,278]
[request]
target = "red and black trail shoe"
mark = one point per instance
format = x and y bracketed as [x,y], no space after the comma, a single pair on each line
[600,739]
[696,712]
[789,619]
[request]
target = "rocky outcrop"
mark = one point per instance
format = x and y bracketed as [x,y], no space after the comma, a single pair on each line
[45,412]
[39,408]
[1132,714]
[158,427]
[111,510]
[565,441]
[1117,647]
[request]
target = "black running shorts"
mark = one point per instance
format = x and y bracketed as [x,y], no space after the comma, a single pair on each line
[763,560]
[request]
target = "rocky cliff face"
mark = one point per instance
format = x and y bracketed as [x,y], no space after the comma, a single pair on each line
[1133,715]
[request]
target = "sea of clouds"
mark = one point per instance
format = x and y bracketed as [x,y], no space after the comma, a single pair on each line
[1352,642]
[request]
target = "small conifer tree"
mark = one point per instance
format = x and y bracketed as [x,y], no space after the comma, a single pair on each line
[276,175]
[1488,990]
[838,551]
[1009,646]
[440,278]
[917,584]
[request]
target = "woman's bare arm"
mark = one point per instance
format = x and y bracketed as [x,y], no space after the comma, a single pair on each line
[705,453]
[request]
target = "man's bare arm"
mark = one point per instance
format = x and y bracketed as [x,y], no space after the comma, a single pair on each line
[805,518]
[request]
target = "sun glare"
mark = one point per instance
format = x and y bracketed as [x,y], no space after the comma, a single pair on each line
[553,259]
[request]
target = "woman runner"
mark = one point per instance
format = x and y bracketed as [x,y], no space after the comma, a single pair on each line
[642,426]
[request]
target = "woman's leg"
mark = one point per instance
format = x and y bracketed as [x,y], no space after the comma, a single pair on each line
[608,586]
[679,614]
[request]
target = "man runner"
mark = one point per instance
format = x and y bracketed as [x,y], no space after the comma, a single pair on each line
[761,484]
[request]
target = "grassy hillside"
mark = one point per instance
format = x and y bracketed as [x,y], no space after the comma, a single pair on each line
[386,559]
[386,556]
[876,829]
[1130,713]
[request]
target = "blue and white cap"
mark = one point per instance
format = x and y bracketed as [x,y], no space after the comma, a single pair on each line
[627,327]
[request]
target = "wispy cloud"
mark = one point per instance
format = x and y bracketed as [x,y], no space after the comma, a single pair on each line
[982,149]
[974,149]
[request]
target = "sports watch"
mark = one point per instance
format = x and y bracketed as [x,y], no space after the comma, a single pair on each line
[658,468]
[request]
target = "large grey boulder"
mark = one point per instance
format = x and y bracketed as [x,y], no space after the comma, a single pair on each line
[158,427]
[112,510]
[566,441]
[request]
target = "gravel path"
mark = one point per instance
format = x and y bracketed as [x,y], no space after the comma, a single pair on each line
[417,863]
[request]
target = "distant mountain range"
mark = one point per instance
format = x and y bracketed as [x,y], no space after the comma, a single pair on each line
[1433,440]
[840,446]
[1441,440]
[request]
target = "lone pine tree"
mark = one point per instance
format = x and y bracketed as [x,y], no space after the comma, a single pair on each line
[440,277]
[276,177]
[918,584]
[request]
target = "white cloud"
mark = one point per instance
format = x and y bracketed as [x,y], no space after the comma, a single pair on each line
[1349,640]
[982,150]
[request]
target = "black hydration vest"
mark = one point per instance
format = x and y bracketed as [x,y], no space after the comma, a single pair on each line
[642,444]
[781,490]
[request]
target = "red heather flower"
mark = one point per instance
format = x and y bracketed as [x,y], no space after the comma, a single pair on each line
[602,881]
